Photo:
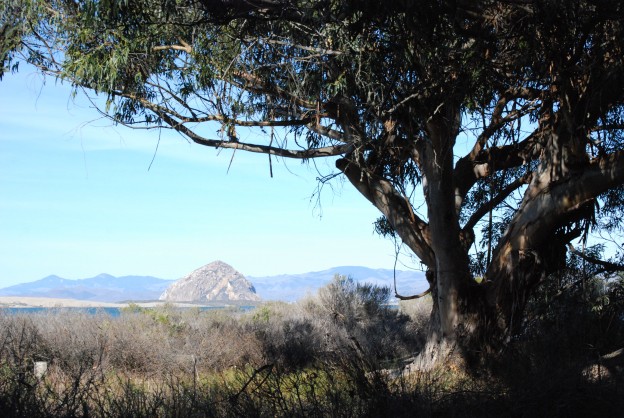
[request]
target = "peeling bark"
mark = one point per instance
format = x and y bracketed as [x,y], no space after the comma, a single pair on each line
[532,247]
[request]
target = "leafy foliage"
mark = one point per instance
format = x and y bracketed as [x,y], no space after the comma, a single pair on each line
[488,134]
[348,73]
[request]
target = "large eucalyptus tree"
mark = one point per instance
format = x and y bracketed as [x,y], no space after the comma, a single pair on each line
[502,117]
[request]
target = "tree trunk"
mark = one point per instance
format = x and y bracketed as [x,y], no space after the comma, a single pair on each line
[457,306]
[455,330]
[469,318]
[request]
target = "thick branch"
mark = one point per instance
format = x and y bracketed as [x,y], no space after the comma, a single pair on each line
[545,203]
[395,207]
[471,168]
[186,48]
[328,132]
[498,120]
[412,297]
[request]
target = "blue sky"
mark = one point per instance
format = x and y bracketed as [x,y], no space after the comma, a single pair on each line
[78,198]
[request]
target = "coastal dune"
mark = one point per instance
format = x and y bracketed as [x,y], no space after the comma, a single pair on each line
[38,302]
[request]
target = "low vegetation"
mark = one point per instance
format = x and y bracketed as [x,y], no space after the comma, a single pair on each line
[339,353]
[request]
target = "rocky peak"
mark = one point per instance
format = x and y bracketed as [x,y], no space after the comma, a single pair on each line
[212,282]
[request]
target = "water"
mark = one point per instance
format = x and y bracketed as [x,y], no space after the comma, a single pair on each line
[112,312]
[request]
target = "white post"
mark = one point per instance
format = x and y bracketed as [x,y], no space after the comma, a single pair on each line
[41,367]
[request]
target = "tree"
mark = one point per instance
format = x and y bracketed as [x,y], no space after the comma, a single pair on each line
[503,117]
[14,20]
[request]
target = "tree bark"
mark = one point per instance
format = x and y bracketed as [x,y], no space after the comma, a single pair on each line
[534,243]
[457,300]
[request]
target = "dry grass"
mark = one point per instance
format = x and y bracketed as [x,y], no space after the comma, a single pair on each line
[325,356]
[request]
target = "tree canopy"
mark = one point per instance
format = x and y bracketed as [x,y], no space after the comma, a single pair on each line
[458,120]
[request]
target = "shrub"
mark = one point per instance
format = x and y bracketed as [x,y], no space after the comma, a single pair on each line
[344,322]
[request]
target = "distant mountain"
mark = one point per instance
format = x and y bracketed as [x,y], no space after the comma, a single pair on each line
[217,281]
[285,287]
[291,287]
[103,288]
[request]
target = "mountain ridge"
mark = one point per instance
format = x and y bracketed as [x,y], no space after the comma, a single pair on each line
[292,287]
[103,287]
[286,287]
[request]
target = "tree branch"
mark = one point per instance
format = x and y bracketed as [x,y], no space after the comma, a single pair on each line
[471,168]
[497,120]
[181,119]
[411,297]
[546,203]
[606,265]
[256,85]
[186,48]
[497,200]
[318,51]
[394,206]
[257,148]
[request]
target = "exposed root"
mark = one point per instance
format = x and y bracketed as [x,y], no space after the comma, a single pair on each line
[433,355]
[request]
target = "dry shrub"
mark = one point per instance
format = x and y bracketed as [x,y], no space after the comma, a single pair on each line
[324,356]
[72,340]
[137,344]
[344,322]
[19,340]
[418,310]
[70,378]
[220,341]
[419,313]
[357,317]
